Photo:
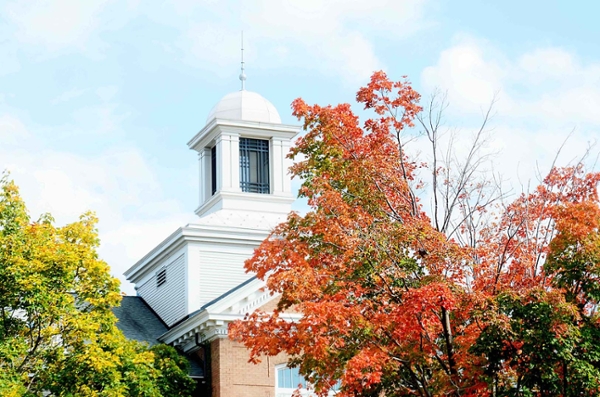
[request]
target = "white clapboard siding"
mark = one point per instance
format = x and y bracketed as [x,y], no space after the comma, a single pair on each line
[168,300]
[220,272]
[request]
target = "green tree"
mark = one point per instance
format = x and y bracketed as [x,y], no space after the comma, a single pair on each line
[58,335]
[171,365]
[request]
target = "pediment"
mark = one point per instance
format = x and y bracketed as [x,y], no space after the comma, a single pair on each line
[212,319]
[242,299]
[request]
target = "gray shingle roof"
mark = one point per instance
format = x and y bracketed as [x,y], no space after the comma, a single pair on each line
[138,321]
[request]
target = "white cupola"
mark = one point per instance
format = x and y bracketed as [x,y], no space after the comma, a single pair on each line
[245,190]
[244,105]
[243,147]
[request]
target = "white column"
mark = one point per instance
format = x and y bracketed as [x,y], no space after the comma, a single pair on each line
[228,157]
[235,162]
[276,166]
[202,176]
[222,163]
[280,164]
[287,163]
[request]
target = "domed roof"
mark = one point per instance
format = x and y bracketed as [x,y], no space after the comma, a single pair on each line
[244,105]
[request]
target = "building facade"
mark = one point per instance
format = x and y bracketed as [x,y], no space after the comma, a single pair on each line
[193,284]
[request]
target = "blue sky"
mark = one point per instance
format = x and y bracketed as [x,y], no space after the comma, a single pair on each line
[99,98]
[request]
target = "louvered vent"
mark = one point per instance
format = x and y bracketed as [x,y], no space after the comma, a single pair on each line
[161,277]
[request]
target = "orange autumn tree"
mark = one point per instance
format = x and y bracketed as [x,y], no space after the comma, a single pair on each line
[397,302]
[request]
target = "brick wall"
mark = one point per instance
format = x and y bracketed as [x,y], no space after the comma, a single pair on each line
[269,306]
[234,376]
[272,304]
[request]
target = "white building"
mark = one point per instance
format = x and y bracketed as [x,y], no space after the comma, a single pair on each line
[193,284]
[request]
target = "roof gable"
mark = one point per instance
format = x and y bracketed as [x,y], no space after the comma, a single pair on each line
[212,320]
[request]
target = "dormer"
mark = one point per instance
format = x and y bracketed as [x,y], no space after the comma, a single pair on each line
[242,153]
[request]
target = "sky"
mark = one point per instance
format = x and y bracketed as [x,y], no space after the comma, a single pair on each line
[98,99]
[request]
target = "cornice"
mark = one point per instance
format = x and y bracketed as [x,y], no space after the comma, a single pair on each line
[212,321]
[251,197]
[194,233]
[249,128]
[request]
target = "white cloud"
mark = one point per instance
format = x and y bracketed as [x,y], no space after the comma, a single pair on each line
[67,96]
[352,56]
[56,23]
[570,90]
[575,106]
[471,76]
[546,84]
[107,93]
[330,36]
[544,96]
[527,153]
[211,44]
[8,54]
[101,119]
[118,184]
[103,116]
[544,63]
[12,130]
[321,35]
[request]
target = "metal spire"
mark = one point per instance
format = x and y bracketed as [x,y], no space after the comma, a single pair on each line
[243,75]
